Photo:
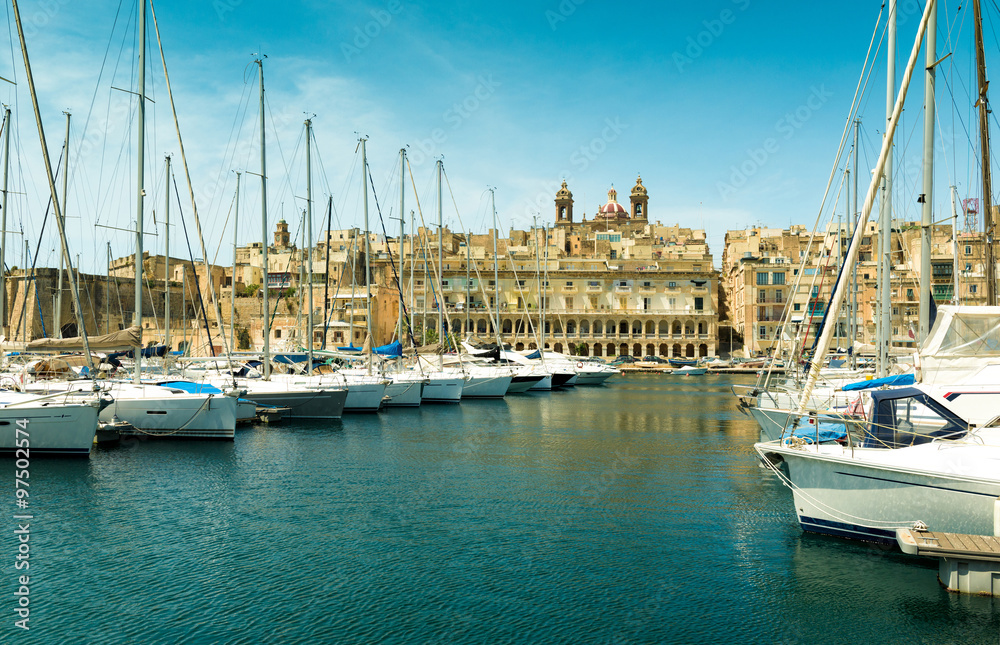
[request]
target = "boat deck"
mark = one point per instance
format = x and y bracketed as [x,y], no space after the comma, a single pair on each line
[949,545]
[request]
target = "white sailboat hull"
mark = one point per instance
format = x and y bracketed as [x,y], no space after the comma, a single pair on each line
[52,429]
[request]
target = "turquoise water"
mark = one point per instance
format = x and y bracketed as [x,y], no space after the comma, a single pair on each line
[629,513]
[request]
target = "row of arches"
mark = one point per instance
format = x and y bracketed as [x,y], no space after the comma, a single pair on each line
[665,350]
[585,328]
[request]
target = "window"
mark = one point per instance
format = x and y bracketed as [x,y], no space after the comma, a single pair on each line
[569,284]
[778,278]
[777,295]
[277,333]
[761,278]
[699,304]
[909,294]
[647,284]
[614,254]
[761,313]
[797,307]
[968,249]
[795,271]
[672,285]
[569,302]
[972,288]
[672,302]
[968,266]
[762,332]
[520,283]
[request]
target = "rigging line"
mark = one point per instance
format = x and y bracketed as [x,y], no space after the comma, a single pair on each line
[194,203]
[392,263]
[468,242]
[197,282]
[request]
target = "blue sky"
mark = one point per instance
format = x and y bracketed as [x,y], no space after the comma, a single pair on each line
[515,95]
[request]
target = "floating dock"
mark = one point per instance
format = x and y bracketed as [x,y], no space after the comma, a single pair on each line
[969,563]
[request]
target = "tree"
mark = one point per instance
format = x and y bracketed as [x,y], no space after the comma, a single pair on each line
[243,338]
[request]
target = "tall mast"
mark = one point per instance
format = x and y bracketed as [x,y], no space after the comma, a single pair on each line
[368,275]
[954,245]
[263,223]
[496,269]
[823,342]
[309,241]
[468,261]
[232,293]
[884,324]
[3,220]
[413,268]
[402,233]
[926,214]
[81,325]
[440,267]
[140,185]
[166,263]
[853,223]
[57,313]
[107,293]
[984,138]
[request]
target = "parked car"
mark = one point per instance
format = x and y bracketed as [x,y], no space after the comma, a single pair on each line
[654,359]
[622,360]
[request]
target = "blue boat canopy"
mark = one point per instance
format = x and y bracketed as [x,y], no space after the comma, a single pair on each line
[533,355]
[192,388]
[825,432]
[290,358]
[394,348]
[350,348]
[897,380]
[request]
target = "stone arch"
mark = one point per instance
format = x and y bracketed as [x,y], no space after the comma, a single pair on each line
[623,349]
[703,350]
[571,328]
[677,351]
[611,349]
[650,327]
[637,350]
[557,348]
[636,327]
[532,346]
[664,350]
[481,326]
[598,328]
[689,350]
[677,331]
[650,350]
[688,328]
[584,327]
[519,326]
[506,327]
[664,328]
[584,349]
[702,328]
[598,349]
[623,328]
[556,328]
[519,347]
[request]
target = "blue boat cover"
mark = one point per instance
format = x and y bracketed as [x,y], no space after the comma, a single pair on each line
[192,388]
[350,348]
[899,379]
[533,355]
[290,358]
[394,348]
[827,432]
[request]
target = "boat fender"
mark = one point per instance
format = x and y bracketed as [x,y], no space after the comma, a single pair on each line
[579,365]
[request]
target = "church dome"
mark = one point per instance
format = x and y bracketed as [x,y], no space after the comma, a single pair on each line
[613,208]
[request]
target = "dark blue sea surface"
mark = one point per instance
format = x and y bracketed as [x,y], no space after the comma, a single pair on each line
[629,513]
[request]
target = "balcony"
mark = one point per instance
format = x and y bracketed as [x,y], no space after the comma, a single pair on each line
[620,289]
[594,289]
[569,289]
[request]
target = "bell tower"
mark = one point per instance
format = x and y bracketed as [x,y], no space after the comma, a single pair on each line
[564,206]
[640,202]
[281,237]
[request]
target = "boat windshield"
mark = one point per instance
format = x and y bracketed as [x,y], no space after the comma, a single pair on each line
[910,421]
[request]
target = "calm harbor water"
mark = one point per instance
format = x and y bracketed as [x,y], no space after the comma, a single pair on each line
[633,512]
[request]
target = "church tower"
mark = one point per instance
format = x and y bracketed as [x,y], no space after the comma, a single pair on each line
[564,206]
[281,238]
[640,202]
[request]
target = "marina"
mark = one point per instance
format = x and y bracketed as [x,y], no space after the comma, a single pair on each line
[581,516]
